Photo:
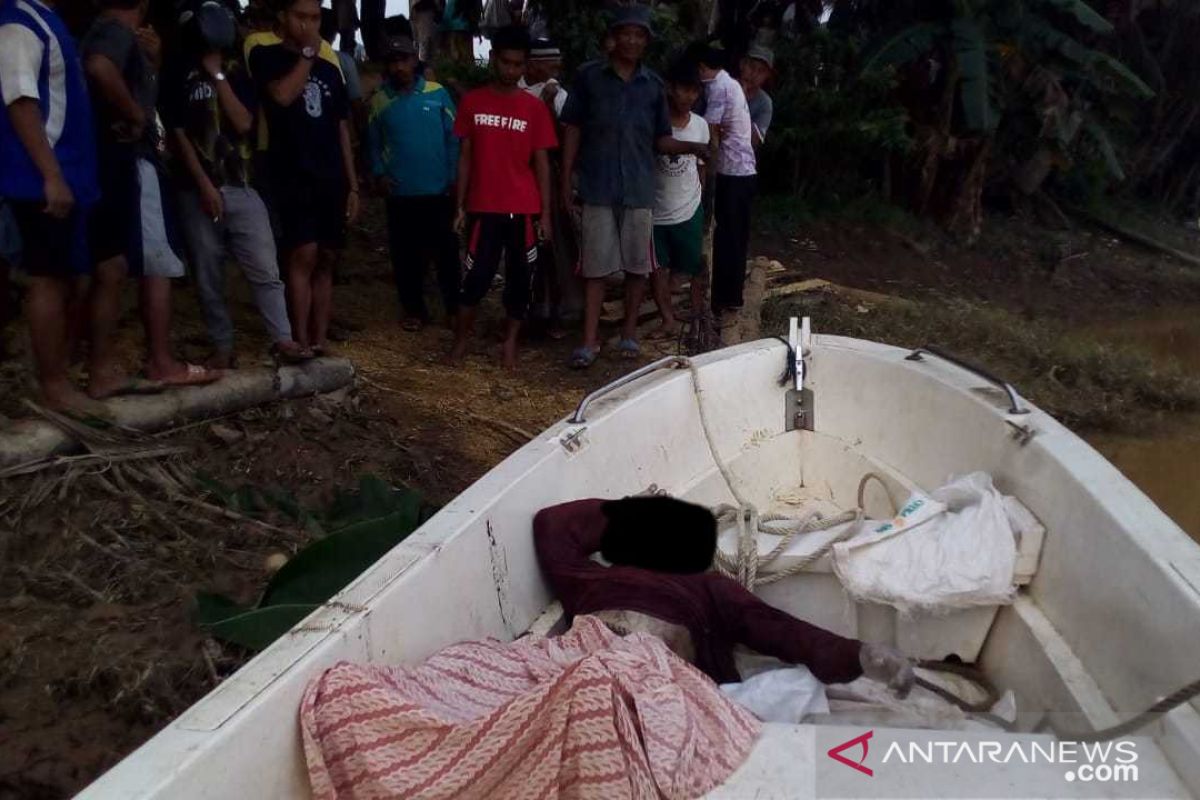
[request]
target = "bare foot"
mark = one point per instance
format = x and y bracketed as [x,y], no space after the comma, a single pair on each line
[665,331]
[457,353]
[65,397]
[106,383]
[508,356]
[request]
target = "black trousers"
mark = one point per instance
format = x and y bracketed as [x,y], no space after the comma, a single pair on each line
[490,234]
[731,238]
[418,226]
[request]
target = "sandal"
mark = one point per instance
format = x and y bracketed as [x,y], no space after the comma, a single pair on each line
[584,357]
[291,355]
[412,324]
[629,348]
[194,375]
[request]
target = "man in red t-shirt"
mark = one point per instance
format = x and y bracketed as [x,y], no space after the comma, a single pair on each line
[503,188]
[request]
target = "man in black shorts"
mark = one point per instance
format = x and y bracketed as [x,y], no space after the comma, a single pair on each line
[48,177]
[503,189]
[311,161]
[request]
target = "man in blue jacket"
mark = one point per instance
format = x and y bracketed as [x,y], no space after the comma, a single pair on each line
[414,155]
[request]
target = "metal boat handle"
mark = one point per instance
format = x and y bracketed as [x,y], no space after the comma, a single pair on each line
[1014,399]
[670,362]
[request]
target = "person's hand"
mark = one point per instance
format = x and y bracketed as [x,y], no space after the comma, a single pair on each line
[886,664]
[59,198]
[701,150]
[545,226]
[460,220]
[212,63]
[383,185]
[211,202]
[566,192]
[352,207]
[130,130]
[151,44]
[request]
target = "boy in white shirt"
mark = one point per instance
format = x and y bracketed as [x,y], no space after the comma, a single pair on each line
[678,215]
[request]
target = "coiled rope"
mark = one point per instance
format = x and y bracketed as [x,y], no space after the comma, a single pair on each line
[744,568]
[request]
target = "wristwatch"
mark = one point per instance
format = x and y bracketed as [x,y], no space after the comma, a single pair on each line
[218,76]
[309,52]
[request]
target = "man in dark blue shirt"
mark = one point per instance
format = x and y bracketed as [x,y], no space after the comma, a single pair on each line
[615,122]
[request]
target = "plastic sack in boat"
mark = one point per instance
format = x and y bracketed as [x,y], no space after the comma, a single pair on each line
[952,549]
[780,695]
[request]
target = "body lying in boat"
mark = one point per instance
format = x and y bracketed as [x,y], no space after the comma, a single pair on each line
[661,549]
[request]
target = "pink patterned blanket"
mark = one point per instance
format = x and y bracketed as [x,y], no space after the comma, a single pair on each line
[589,714]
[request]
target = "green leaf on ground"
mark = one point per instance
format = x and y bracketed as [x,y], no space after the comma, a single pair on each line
[366,524]
[326,566]
[253,628]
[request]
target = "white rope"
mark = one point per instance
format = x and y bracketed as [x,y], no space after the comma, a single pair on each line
[746,565]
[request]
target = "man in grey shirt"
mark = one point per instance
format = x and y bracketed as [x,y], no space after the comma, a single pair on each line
[757,67]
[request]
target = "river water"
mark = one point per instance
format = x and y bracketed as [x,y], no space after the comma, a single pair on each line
[1164,461]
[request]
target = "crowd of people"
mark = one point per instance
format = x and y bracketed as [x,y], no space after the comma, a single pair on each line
[247,141]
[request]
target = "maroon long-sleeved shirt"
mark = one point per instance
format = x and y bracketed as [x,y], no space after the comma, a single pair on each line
[717,611]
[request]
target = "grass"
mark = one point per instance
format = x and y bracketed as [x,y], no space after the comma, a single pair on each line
[783,213]
[1088,385]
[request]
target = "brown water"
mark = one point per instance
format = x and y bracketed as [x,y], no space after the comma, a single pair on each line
[1164,461]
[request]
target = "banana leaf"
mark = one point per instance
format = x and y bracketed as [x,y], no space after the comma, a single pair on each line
[1104,144]
[907,45]
[252,628]
[1083,13]
[326,566]
[1106,64]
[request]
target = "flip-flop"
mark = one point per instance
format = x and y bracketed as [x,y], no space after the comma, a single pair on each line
[629,348]
[195,375]
[298,357]
[584,357]
[133,386]
[412,325]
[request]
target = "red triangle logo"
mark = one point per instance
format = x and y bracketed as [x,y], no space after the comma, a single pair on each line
[836,752]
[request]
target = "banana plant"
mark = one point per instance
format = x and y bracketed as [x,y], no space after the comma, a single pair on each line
[981,39]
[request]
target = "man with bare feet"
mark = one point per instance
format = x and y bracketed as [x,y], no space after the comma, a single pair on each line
[127,231]
[311,161]
[503,189]
[48,177]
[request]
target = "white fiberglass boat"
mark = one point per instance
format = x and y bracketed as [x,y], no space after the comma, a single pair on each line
[1106,619]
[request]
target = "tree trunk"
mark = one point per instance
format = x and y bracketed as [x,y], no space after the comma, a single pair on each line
[29,440]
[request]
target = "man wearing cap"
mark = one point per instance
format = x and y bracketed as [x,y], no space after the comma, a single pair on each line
[541,75]
[756,69]
[615,122]
[209,114]
[413,155]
